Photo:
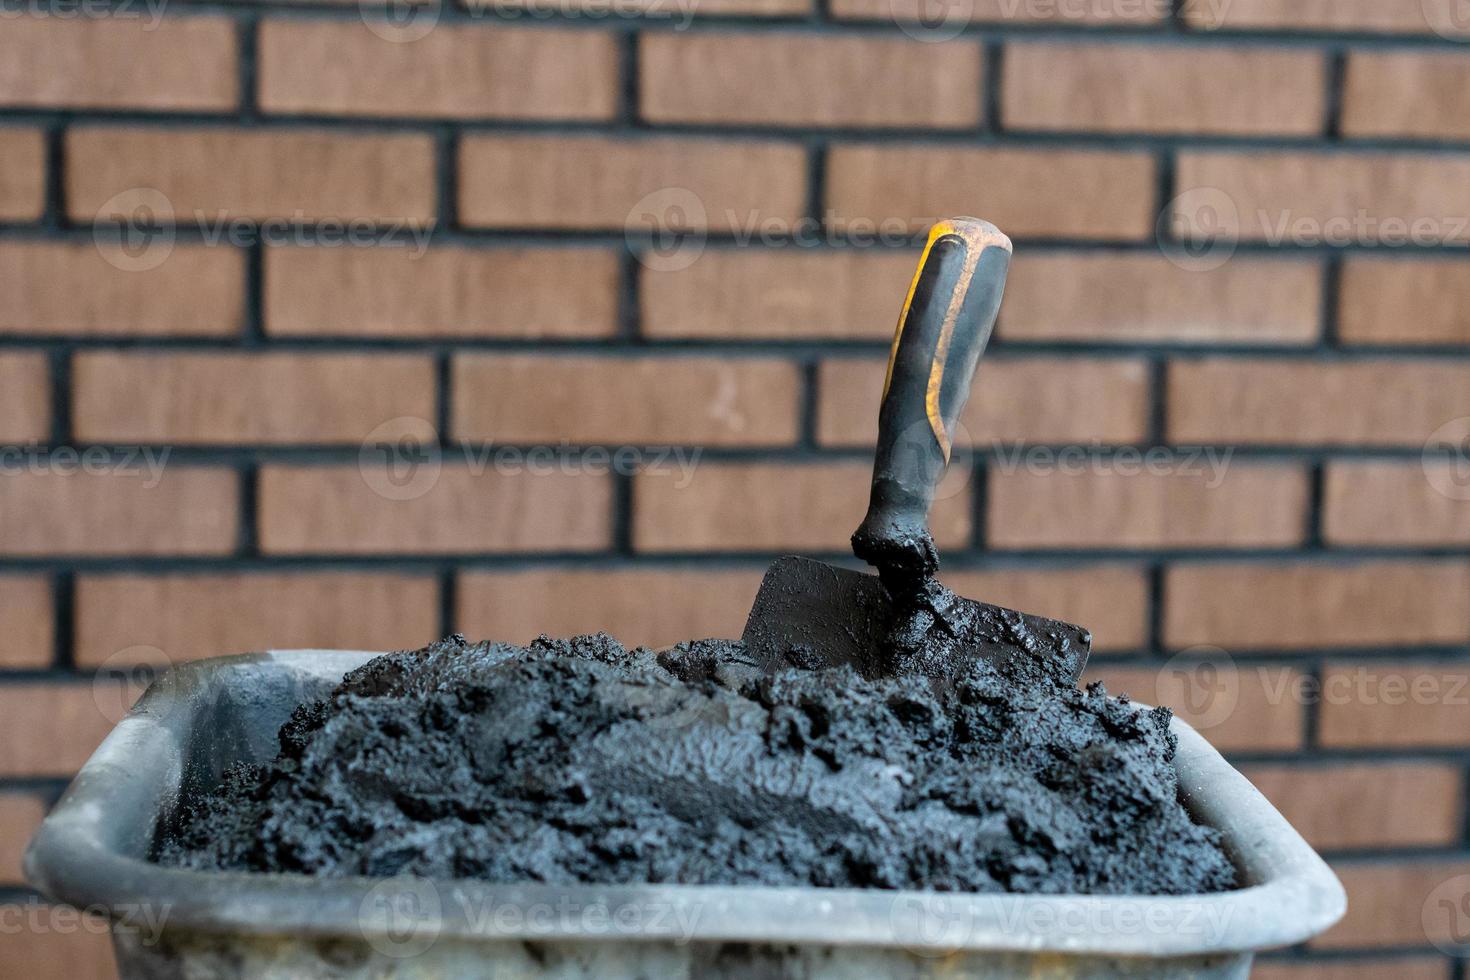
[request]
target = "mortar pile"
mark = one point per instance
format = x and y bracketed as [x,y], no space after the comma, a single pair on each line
[579,761]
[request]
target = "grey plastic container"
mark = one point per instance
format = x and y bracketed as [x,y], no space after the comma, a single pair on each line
[92,852]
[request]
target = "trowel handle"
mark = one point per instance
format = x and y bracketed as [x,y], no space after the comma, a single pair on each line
[942,331]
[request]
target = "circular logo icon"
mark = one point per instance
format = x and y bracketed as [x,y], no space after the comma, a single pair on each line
[1450,19]
[1201,684]
[932,21]
[134,230]
[1446,916]
[1205,15]
[1446,459]
[667,229]
[1200,229]
[123,677]
[918,450]
[931,924]
[400,21]
[401,917]
[400,459]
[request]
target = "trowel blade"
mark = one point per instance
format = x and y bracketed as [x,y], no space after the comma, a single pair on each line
[842,617]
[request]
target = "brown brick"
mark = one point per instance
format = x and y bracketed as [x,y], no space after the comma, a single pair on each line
[443,292]
[61,946]
[780,293]
[1307,198]
[209,174]
[1003,12]
[119,62]
[1396,904]
[50,729]
[1110,600]
[151,509]
[1339,806]
[1030,399]
[1386,16]
[53,288]
[22,174]
[174,618]
[345,67]
[598,182]
[1406,93]
[1239,709]
[529,398]
[216,398]
[26,618]
[1148,298]
[20,815]
[1068,194]
[772,506]
[654,607]
[1415,968]
[1404,705]
[1381,503]
[504,507]
[1308,605]
[25,398]
[1141,298]
[1146,88]
[1299,402]
[1399,302]
[1241,507]
[809,80]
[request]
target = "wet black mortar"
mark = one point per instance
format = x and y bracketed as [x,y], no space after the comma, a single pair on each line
[577,761]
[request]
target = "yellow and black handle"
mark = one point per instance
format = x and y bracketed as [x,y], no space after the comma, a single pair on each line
[942,331]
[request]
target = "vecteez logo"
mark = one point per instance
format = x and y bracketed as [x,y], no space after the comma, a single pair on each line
[1446,459]
[1446,916]
[400,459]
[134,230]
[931,925]
[1202,683]
[401,917]
[1200,229]
[1450,19]
[932,21]
[666,229]
[400,21]
[124,676]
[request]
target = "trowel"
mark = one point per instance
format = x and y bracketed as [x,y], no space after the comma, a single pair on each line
[830,615]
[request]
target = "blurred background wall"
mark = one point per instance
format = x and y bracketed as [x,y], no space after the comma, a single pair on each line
[334,326]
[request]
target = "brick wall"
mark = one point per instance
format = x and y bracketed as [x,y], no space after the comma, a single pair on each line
[631,277]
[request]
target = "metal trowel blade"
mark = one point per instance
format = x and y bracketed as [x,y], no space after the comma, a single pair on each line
[842,617]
